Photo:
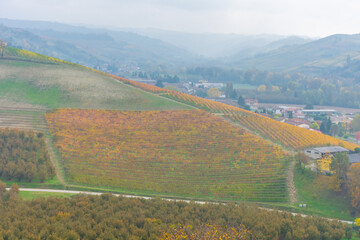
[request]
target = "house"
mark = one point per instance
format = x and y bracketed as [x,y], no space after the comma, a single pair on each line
[298,122]
[321,152]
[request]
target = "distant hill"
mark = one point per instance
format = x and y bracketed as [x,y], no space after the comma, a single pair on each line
[332,51]
[213,45]
[112,51]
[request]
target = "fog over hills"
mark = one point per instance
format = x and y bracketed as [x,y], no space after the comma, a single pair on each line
[319,53]
[128,50]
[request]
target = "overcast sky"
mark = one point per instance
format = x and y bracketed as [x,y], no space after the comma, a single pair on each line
[315,18]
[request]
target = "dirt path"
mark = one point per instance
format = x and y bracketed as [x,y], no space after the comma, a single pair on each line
[53,159]
[291,183]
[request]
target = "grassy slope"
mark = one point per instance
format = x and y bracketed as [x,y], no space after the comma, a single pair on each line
[41,82]
[313,190]
[31,83]
[33,195]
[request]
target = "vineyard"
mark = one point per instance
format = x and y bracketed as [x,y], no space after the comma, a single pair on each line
[285,134]
[188,153]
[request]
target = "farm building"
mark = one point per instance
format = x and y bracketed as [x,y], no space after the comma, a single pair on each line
[354,158]
[320,152]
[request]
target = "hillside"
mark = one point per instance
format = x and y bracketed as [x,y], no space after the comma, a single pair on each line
[301,56]
[112,51]
[31,79]
[159,153]
[287,135]
[189,153]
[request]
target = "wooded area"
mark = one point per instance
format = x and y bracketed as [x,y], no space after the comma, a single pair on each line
[23,156]
[110,217]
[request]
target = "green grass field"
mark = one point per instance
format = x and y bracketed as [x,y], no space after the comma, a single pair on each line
[67,86]
[50,183]
[32,195]
[313,190]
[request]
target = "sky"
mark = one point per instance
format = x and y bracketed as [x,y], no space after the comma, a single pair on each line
[313,18]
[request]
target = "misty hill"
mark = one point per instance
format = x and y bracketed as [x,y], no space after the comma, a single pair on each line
[213,45]
[24,39]
[328,52]
[114,51]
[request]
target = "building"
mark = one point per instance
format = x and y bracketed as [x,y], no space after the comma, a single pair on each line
[354,157]
[319,111]
[321,152]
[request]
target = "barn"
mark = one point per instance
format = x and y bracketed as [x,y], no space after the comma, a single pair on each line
[320,152]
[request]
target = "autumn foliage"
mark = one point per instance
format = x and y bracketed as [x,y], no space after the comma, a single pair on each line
[187,153]
[110,217]
[206,232]
[23,156]
[288,135]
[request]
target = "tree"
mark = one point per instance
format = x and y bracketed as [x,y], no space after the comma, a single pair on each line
[261,89]
[241,101]
[314,125]
[354,174]
[14,191]
[2,190]
[213,93]
[325,126]
[309,106]
[201,93]
[340,164]
[159,83]
[302,159]
[348,232]
[291,114]
[229,90]
[358,136]
[355,123]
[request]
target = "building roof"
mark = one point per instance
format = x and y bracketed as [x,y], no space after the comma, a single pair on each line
[319,110]
[354,157]
[331,149]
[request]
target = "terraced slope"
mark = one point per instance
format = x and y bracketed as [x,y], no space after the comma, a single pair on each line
[188,153]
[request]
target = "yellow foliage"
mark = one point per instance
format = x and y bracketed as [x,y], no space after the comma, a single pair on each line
[214,92]
[261,88]
[181,152]
[324,164]
[357,221]
[205,232]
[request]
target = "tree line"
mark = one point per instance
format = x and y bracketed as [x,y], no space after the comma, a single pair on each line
[277,87]
[110,217]
[23,156]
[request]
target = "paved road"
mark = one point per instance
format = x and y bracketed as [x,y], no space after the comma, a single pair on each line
[167,199]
